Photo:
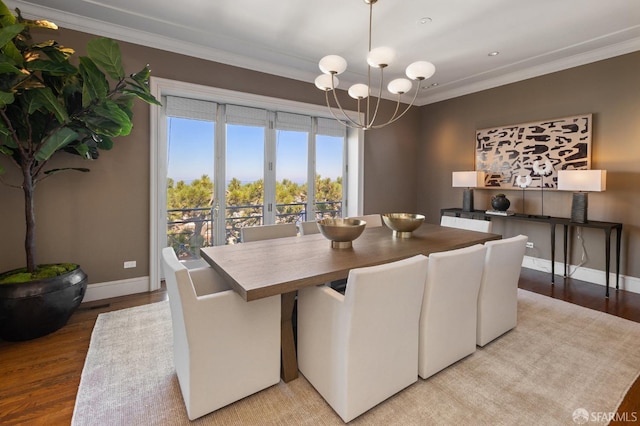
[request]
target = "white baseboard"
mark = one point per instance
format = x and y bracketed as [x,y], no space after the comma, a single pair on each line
[581,273]
[110,289]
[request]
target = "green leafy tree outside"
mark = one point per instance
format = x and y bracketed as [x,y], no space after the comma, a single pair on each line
[189,207]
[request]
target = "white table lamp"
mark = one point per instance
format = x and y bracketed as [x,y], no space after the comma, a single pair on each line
[467,180]
[583,181]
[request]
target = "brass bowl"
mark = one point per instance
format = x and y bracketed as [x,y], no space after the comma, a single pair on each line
[403,224]
[341,232]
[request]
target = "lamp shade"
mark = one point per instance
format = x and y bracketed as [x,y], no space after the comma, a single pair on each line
[468,179]
[582,180]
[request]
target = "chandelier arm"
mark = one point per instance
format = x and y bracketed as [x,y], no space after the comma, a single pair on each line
[348,119]
[343,122]
[394,118]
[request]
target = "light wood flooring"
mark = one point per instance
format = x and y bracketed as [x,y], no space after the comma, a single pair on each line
[39,379]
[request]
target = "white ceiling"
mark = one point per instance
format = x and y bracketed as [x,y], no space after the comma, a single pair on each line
[288,37]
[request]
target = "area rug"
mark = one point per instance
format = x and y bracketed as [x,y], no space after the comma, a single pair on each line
[561,361]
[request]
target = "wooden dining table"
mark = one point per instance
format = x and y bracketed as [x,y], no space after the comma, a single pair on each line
[284,265]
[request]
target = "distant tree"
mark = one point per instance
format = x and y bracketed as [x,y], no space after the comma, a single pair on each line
[289,192]
[328,191]
[244,202]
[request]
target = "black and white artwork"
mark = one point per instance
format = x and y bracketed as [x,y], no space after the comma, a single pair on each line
[534,152]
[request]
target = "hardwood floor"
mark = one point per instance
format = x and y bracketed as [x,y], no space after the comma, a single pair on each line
[39,379]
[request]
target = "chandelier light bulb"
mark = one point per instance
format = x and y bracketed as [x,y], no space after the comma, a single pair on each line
[323,82]
[333,64]
[359,91]
[399,86]
[420,70]
[381,57]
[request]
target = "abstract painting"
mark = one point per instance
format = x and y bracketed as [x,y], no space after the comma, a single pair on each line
[508,152]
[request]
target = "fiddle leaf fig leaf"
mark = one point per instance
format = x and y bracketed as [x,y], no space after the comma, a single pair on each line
[6,17]
[7,68]
[60,138]
[7,47]
[6,98]
[8,33]
[51,67]
[95,85]
[106,54]
[40,23]
[105,143]
[77,169]
[108,119]
[44,98]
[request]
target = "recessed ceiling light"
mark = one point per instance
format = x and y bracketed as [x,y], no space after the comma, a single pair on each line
[494,53]
[431,86]
[425,20]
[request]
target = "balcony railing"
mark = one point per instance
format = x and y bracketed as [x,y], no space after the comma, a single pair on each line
[190,229]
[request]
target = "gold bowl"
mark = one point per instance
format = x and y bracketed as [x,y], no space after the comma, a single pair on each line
[403,224]
[341,232]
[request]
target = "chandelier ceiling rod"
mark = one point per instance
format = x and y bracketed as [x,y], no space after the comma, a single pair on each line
[380,57]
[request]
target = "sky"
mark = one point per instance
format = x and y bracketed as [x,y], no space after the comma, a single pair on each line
[191,152]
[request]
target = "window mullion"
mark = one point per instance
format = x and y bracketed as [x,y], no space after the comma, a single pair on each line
[270,170]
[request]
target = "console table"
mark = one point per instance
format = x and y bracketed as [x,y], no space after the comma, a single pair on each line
[566,223]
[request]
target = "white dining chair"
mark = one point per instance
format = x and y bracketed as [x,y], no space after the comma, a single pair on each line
[498,295]
[224,348]
[466,223]
[360,348]
[449,308]
[308,228]
[373,220]
[267,232]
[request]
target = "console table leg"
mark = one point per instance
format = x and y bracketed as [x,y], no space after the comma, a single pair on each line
[553,253]
[618,238]
[607,257]
[565,250]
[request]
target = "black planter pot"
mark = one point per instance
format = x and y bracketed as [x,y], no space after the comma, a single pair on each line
[35,309]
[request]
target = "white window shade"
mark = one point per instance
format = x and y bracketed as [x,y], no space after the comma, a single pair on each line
[295,122]
[190,108]
[245,115]
[331,127]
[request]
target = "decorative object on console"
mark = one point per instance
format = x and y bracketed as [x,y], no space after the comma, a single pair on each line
[505,152]
[379,57]
[582,181]
[542,172]
[500,202]
[467,180]
[523,182]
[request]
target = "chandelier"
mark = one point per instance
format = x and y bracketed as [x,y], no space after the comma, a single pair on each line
[380,57]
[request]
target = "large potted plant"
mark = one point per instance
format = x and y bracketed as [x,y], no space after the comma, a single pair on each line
[50,105]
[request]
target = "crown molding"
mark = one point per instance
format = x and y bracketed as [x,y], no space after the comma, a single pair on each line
[438,94]
[568,62]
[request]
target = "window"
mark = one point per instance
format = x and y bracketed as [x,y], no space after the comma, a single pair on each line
[222,160]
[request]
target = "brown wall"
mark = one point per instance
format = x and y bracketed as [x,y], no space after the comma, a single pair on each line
[608,89]
[101,219]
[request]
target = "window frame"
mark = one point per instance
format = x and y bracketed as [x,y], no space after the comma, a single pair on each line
[352,172]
